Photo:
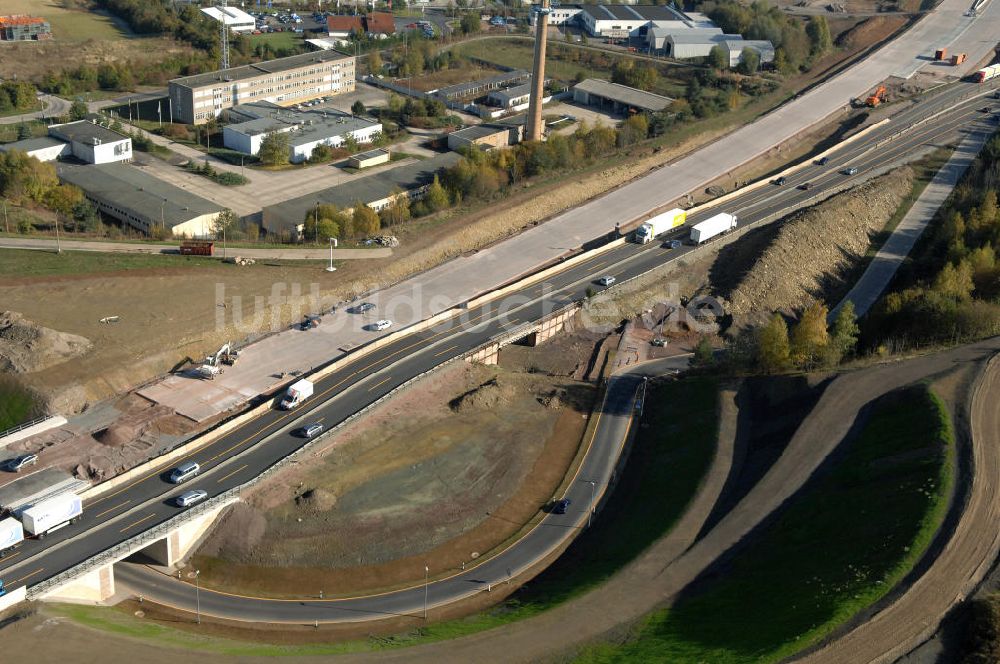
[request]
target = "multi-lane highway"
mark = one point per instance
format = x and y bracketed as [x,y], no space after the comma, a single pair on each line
[245,453]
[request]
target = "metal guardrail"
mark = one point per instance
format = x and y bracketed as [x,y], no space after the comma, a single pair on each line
[22,427]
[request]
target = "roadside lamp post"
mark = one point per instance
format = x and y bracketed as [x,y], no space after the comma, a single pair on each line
[316,222]
[590,515]
[427,571]
[197,595]
[333,243]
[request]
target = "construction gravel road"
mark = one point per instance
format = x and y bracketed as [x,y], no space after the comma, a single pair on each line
[959,569]
[655,578]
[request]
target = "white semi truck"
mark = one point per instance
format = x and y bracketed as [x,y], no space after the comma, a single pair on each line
[717,225]
[51,514]
[297,392]
[660,224]
[11,534]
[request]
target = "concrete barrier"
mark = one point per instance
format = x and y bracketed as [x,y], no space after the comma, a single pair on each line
[37,427]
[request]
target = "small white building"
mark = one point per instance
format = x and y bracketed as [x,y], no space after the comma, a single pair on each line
[735,47]
[43,148]
[511,97]
[237,19]
[306,129]
[685,46]
[92,142]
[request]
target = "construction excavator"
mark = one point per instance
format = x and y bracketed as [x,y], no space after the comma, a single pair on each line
[213,364]
[876,97]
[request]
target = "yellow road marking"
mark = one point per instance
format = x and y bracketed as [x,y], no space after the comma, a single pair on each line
[223,479]
[27,576]
[112,509]
[13,555]
[387,379]
[446,350]
[142,520]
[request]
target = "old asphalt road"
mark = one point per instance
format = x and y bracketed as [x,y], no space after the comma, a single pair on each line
[655,578]
[245,453]
[616,415]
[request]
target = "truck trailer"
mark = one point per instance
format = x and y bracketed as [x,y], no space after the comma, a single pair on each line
[717,225]
[297,392]
[51,514]
[11,534]
[660,224]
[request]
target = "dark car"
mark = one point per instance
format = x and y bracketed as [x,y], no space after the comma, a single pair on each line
[805,186]
[560,506]
[672,244]
[362,308]
[17,463]
[780,181]
[986,109]
[823,161]
[850,171]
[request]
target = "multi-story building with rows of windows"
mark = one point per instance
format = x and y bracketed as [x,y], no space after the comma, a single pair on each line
[199,98]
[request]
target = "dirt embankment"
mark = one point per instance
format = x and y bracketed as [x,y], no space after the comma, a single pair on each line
[808,256]
[439,475]
[26,347]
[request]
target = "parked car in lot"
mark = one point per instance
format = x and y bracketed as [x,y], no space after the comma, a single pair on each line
[311,430]
[380,325]
[17,463]
[560,506]
[606,280]
[364,307]
[189,498]
[184,472]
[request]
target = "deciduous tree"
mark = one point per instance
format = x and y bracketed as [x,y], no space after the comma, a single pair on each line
[773,350]
[809,335]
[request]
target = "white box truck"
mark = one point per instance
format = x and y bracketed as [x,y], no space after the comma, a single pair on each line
[717,225]
[297,392]
[51,514]
[11,534]
[660,224]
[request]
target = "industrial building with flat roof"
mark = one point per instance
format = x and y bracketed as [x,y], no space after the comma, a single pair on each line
[199,98]
[21,27]
[486,136]
[376,191]
[621,98]
[235,19]
[482,86]
[306,129]
[84,139]
[142,201]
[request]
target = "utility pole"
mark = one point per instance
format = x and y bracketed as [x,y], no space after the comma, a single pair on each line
[427,571]
[6,226]
[590,515]
[58,246]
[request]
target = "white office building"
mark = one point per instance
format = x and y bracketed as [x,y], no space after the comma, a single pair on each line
[237,19]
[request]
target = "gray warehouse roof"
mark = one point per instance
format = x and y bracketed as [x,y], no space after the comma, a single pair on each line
[624,94]
[371,154]
[463,89]
[84,131]
[369,189]
[258,69]
[633,13]
[30,144]
[479,131]
[131,189]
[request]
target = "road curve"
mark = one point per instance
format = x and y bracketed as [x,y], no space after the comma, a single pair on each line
[960,567]
[553,533]
[661,580]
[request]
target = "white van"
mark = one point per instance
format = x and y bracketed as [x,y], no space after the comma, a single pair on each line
[184,472]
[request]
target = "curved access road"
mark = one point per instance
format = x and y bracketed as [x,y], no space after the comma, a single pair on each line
[550,535]
[655,579]
[961,566]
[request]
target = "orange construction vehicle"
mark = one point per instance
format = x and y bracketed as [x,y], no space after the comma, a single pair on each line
[877,97]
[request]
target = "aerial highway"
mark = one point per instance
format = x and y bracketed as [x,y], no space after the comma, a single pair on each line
[244,453]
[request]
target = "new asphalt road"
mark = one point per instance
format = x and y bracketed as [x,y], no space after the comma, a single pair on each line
[245,453]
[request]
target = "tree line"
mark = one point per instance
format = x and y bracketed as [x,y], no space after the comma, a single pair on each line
[17,96]
[24,180]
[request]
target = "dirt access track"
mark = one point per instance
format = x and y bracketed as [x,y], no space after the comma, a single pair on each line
[671,564]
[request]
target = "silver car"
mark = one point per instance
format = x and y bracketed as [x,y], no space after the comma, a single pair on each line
[184,472]
[189,498]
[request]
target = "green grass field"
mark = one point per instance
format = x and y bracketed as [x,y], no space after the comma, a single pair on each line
[852,535]
[278,40]
[17,404]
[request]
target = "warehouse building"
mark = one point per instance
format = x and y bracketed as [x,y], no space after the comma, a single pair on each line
[376,191]
[659,38]
[20,27]
[764,49]
[141,201]
[618,98]
[285,81]
[306,129]
[235,19]
[483,86]
[486,136]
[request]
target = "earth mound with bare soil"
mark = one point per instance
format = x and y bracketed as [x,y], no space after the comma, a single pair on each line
[809,255]
[491,394]
[26,347]
[243,519]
